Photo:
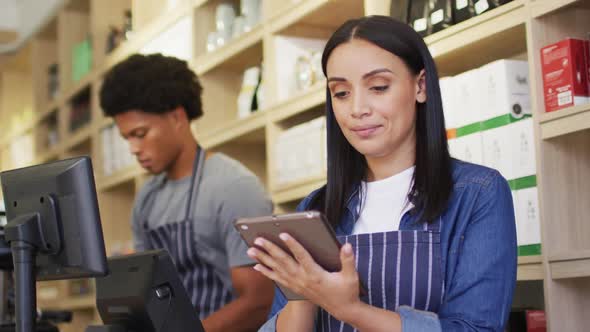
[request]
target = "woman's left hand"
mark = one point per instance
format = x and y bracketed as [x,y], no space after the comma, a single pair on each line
[335,292]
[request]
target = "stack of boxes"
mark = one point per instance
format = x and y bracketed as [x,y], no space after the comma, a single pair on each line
[115,151]
[301,152]
[488,119]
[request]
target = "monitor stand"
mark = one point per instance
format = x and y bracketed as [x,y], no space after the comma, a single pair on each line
[27,235]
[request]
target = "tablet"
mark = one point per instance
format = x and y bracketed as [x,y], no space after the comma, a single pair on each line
[309,228]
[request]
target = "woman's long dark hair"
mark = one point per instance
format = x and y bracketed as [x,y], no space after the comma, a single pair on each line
[432,182]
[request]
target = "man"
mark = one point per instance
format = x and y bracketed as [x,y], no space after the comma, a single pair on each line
[189,206]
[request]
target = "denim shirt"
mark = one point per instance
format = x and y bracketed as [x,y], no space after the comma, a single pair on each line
[479,254]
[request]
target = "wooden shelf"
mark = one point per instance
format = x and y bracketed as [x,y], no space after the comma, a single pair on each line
[105,122]
[530,268]
[238,54]
[235,129]
[79,136]
[569,255]
[497,34]
[305,100]
[565,121]
[543,7]
[14,133]
[106,183]
[309,17]
[7,35]
[79,86]
[570,264]
[578,268]
[52,153]
[297,190]
[49,109]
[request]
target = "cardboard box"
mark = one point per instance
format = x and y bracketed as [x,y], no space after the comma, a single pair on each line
[522,143]
[536,321]
[510,149]
[467,103]
[505,89]
[468,148]
[528,228]
[564,66]
[497,150]
[447,93]
[301,152]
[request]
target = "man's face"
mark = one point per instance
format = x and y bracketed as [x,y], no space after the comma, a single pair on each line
[153,138]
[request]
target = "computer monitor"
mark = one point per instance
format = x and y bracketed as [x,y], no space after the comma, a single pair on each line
[53,222]
[143,293]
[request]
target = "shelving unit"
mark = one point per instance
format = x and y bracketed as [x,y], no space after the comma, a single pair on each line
[515,30]
[530,268]
[562,160]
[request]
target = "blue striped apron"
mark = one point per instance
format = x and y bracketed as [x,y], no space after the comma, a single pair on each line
[205,289]
[398,268]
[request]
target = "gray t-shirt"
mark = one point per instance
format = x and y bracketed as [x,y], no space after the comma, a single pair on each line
[227,191]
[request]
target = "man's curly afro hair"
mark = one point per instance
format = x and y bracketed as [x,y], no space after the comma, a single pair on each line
[151,83]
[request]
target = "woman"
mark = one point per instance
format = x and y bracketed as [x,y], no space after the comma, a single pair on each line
[432,239]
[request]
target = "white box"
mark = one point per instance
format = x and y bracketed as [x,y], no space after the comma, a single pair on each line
[287,50]
[447,93]
[522,142]
[498,150]
[504,88]
[467,103]
[467,148]
[455,149]
[288,151]
[528,229]
[300,152]
[510,149]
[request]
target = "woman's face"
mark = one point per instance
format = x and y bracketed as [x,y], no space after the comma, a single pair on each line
[374,97]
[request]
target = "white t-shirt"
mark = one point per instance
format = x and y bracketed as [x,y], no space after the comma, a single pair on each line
[384,203]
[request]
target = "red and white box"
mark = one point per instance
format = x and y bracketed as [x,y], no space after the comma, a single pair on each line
[536,321]
[565,68]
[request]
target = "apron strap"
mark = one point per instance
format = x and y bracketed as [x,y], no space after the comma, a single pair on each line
[195,178]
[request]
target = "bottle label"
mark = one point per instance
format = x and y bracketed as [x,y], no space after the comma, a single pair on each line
[437,16]
[420,24]
[460,4]
[481,6]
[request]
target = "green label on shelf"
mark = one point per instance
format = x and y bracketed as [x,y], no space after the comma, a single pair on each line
[523,183]
[501,120]
[529,250]
[492,123]
[469,129]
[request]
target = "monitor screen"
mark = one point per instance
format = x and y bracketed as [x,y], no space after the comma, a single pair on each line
[62,197]
[143,293]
